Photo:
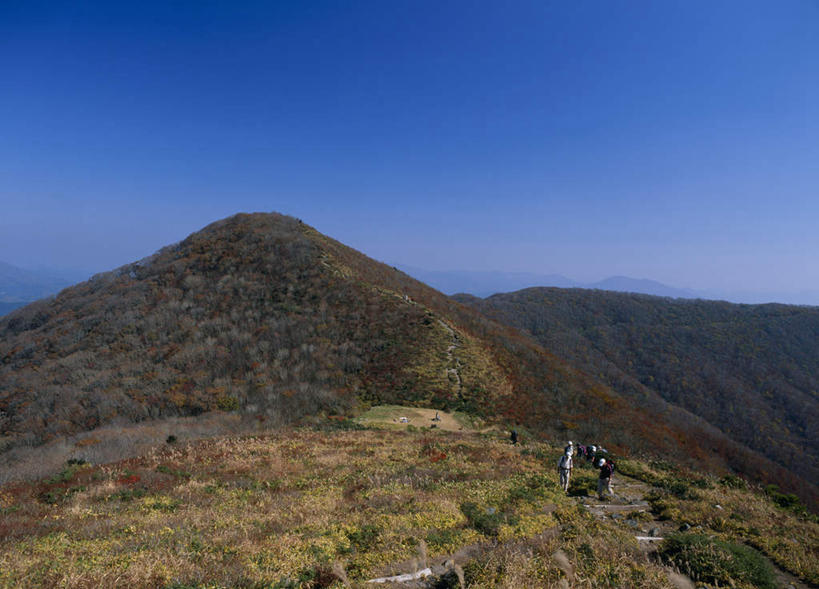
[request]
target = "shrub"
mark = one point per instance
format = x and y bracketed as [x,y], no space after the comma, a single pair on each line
[787,501]
[536,453]
[532,491]
[487,521]
[664,465]
[59,495]
[168,470]
[440,538]
[227,403]
[338,424]
[733,482]
[662,506]
[582,485]
[679,489]
[364,537]
[714,561]
[127,495]
[702,483]
[67,473]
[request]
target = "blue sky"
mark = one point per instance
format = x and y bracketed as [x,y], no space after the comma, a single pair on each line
[677,141]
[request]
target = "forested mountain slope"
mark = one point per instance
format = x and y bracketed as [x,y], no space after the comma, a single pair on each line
[750,370]
[263,315]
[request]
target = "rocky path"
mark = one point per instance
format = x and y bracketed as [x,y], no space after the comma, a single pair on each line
[629,509]
[453,364]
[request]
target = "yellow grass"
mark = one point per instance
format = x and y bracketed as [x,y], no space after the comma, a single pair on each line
[290,508]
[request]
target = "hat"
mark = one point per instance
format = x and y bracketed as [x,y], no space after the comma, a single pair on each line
[570,443]
[602,462]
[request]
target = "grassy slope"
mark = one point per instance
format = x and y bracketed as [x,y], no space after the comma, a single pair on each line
[286,509]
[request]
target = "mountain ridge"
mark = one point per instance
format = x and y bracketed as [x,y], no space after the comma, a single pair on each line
[262,314]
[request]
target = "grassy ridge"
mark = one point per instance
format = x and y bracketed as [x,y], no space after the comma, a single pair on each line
[309,508]
[284,509]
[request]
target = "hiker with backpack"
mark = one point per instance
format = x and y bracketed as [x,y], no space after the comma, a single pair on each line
[604,481]
[564,468]
[513,437]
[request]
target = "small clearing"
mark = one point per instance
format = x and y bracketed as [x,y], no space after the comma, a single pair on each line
[391,415]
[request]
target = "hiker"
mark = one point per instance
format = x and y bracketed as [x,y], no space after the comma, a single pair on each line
[514,437]
[564,468]
[604,482]
[592,452]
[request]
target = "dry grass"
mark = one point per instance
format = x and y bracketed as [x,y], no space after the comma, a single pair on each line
[303,508]
[113,443]
[744,515]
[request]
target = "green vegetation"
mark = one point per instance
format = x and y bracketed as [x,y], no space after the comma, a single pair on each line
[787,501]
[734,512]
[709,560]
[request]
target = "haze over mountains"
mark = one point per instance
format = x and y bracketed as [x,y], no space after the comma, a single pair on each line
[486,283]
[263,315]
[19,286]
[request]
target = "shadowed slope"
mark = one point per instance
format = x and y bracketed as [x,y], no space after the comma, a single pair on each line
[750,370]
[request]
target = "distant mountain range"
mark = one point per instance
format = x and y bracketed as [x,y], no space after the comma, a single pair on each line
[484,284]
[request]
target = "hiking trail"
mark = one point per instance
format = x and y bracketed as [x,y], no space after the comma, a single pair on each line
[453,364]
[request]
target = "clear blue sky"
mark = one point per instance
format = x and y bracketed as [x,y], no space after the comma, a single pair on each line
[673,140]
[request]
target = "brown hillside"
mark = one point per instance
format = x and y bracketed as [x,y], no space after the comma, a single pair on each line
[263,315]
